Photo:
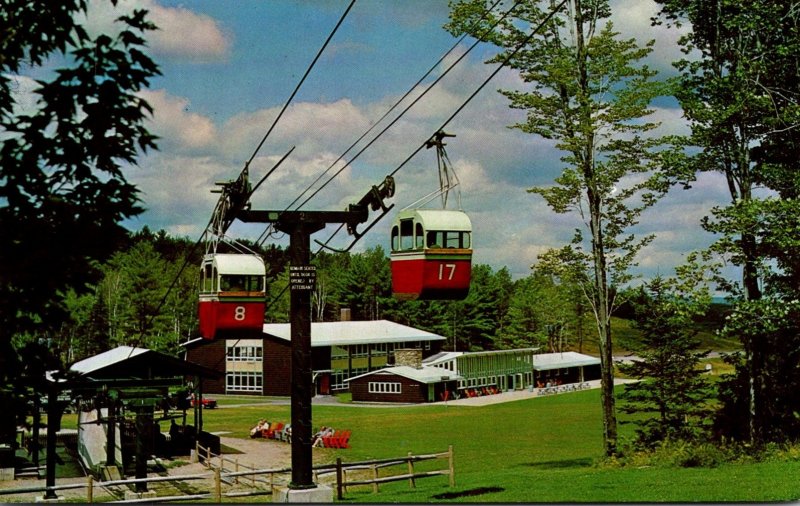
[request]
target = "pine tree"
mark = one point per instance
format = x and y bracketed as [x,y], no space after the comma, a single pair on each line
[671,390]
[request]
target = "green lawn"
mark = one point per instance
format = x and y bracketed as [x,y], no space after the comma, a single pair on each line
[538,450]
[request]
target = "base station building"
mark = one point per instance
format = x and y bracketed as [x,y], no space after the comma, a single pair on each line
[378,361]
[339,351]
[452,375]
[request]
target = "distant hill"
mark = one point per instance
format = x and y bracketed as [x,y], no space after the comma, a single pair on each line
[626,337]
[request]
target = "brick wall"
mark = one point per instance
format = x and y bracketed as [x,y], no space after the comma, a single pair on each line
[412,391]
[277,367]
[210,354]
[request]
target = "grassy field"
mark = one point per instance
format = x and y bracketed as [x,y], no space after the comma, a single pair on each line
[537,450]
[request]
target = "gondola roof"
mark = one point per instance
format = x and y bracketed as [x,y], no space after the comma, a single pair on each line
[439,219]
[234,263]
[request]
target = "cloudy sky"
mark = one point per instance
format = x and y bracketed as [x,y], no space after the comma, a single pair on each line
[228,68]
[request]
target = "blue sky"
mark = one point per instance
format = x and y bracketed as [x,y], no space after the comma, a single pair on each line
[228,67]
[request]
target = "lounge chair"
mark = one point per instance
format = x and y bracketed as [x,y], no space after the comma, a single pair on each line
[270,433]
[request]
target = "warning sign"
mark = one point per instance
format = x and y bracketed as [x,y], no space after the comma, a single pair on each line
[302,277]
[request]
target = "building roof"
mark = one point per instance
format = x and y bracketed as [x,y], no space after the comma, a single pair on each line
[442,356]
[354,332]
[547,361]
[105,359]
[140,363]
[425,375]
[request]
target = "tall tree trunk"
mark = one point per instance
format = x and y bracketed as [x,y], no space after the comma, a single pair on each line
[604,331]
[601,302]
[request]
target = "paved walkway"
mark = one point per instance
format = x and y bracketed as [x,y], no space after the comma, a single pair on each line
[515,395]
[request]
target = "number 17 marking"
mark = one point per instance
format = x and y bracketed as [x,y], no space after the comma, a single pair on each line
[452,268]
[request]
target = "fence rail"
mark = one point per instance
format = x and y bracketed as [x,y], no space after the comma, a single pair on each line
[341,471]
[219,474]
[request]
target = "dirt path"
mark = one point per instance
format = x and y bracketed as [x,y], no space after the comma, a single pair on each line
[259,453]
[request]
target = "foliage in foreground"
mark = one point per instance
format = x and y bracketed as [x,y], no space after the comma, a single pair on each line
[690,454]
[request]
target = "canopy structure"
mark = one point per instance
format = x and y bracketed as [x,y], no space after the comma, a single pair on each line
[129,363]
[564,360]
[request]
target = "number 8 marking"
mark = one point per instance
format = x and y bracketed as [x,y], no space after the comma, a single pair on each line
[238,313]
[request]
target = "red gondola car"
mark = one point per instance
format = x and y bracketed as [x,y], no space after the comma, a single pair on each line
[431,254]
[232,295]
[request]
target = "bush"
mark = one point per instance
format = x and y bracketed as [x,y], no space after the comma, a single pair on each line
[682,453]
[670,454]
[703,455]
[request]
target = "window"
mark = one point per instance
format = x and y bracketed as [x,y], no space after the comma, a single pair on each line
[243,381]
[435,239]
[383,387]
[419,237]
[245,353]
[449,239]
[406,234]
[208,279]
[338,352]
[395,238]
[242,283]
[337,380]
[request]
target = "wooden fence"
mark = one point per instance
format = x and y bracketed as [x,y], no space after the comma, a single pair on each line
[222,475]
[374,465]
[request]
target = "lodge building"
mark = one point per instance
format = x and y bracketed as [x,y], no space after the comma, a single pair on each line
[379,361]
[339,351]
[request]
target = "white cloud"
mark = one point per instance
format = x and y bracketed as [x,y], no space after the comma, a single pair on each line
[176,190]
[179,129]
[632,19]
[313,127]
[187,35]
[183,34]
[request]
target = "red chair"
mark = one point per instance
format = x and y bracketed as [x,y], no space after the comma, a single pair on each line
[330,441]
[343,439]
[273,429]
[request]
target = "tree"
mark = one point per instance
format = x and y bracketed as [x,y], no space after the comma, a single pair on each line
[61,163]
[775,324]
[589,95]
[671,388]
[542,313]
[741,95]
[367,284]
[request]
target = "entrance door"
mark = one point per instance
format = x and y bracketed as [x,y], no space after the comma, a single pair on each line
[324,384]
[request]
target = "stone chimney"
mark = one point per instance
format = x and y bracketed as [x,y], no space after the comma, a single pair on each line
[344,314]
[410,357]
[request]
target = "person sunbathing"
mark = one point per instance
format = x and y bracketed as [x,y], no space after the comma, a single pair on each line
[322,433]
[260,426]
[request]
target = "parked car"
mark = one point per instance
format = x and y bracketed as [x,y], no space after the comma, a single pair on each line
[208,403]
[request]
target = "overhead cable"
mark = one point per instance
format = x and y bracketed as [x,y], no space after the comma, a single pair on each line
[302,80]
[502,65]
[255,152]
[392,108]
[414,102]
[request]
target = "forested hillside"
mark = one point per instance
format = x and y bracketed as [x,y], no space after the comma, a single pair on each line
[146,295]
